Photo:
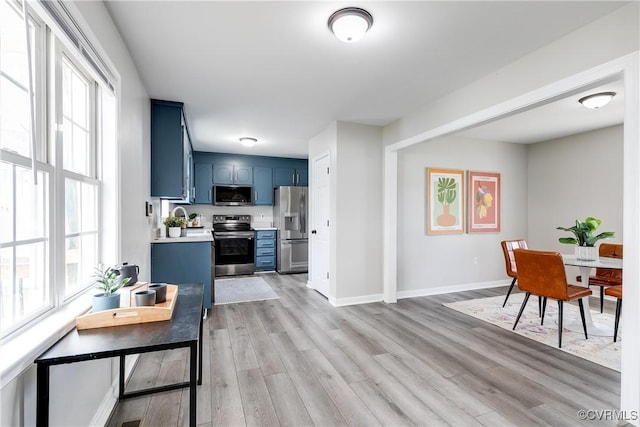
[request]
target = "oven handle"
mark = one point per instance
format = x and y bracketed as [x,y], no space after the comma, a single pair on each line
[227,237]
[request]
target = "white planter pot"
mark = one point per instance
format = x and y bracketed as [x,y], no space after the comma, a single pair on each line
[175,231]
[586,253]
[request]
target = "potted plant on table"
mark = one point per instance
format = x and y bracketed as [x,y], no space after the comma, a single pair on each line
[108,281]
[585,238]
[175,224]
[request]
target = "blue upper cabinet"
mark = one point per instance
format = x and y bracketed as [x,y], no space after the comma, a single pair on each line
[243,175]
[204,182]
[228,174]
[171,152]
[290,176]
[262,186]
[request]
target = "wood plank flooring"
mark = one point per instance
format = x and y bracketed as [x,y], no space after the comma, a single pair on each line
[298,361]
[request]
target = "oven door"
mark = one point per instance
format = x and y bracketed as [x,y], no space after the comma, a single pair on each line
[234,253]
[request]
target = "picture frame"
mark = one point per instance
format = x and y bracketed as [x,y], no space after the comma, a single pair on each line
[484,202]
[445,201]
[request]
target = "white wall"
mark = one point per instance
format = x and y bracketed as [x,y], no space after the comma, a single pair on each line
[79,390]
[356,210]
[431,263]
[359,212]
[572,178]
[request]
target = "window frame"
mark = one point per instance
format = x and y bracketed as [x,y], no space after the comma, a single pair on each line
[50,47]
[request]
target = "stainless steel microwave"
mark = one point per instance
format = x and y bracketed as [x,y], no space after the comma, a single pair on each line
[232,195]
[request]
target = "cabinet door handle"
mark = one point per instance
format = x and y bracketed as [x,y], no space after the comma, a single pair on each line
[293,178]
[297,179]
[209,196]
[256,199]
[194,192]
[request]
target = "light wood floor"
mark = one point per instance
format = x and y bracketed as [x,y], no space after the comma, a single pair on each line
[297,361]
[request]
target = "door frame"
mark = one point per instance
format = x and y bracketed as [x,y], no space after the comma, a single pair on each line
[311,187]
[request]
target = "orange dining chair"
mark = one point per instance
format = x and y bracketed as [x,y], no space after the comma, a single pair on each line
[542,273]
[508,246]
[605,277]
[616,291]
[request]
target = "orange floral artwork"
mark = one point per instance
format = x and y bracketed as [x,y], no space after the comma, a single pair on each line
[484,202]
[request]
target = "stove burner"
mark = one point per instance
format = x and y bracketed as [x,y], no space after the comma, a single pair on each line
[224,223]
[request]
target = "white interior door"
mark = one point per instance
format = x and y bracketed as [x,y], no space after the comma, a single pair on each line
[319,237]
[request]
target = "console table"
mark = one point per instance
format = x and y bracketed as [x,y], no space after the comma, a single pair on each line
[184,330]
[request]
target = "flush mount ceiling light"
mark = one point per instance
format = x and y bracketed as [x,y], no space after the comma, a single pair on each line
[350,24]
[248,142]
[597,100]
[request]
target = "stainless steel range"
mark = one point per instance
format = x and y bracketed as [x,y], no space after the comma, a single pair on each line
[234,242]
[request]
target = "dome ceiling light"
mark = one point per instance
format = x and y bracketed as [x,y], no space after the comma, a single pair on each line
[247,141]
[597,100]
[350,24]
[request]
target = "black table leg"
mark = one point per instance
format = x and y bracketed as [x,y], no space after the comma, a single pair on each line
[200,344]
[121,380]
[42,395]
[193,373]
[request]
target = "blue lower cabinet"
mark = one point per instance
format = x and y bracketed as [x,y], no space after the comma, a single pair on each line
[186,262]
[265,250]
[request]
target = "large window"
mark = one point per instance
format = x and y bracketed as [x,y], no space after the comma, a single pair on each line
[50,238]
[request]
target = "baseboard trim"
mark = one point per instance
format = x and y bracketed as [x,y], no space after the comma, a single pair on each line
[449,289]
[110,399]
[364,299]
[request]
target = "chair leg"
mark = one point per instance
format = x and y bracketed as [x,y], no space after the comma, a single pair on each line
[539,305]
[513,282]
[618,311]
[601,299]
[524,303]
[544,308]
[584,323]
[560,306]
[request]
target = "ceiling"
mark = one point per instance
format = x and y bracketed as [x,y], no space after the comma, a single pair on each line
[562,117]
[274,71]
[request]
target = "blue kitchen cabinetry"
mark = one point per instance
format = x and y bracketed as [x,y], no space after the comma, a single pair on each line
[290,176]
[232,174]
[262,186]
[171,153]
[265,250]
[241,169]
[204,182]
[183,262]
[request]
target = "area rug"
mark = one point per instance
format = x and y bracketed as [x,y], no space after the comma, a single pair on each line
[242,289]
[600,350]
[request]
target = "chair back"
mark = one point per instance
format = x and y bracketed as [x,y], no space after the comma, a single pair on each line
[610,250]
[508,246]
[542,273]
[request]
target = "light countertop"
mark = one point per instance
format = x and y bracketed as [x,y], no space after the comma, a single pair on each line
[204,236]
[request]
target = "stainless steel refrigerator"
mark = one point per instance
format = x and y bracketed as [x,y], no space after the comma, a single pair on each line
[290,216]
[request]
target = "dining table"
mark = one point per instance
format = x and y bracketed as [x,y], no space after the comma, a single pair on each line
[585,267]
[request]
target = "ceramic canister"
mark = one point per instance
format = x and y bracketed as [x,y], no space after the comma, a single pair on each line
[145,298]
[161,291]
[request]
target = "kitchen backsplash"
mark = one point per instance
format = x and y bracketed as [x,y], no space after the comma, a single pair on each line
[261,216]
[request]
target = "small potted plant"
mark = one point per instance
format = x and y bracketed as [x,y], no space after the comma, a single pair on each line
[107,280]
[585,238]
[174,224]
[193,220]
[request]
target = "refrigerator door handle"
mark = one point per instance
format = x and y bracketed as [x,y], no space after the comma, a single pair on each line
[303,214]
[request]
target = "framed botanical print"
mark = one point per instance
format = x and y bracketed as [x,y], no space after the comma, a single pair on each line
[483,208]
[445,201]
